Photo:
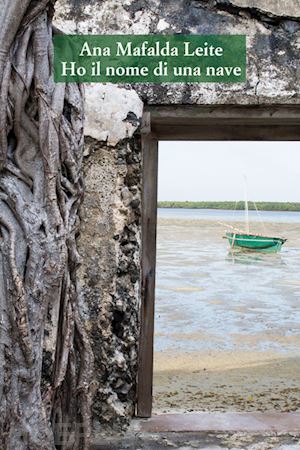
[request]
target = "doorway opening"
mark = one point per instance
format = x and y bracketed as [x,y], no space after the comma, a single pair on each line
[227,320]
[235,123]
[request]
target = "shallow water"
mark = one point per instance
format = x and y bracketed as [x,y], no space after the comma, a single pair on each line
[235,216]
[208,298]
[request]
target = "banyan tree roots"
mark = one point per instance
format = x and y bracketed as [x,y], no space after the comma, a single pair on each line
[45,357]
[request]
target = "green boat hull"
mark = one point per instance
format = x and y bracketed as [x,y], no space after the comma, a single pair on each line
[254,242]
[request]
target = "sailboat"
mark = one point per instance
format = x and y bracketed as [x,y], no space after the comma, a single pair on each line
[252,241]
[244,239]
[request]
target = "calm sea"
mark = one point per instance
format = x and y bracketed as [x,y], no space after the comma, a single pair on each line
[223,215]
[210,298]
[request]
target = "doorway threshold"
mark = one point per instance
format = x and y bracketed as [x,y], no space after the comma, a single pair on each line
[207,431]
[249,422]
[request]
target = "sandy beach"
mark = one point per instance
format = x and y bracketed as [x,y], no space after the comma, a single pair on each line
[227,331]
[229,381]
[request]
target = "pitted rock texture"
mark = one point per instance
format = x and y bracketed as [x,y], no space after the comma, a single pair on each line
[273,40]
[110,274]
[280,8]
[110,239]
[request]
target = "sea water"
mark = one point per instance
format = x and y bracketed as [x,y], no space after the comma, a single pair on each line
[208,298]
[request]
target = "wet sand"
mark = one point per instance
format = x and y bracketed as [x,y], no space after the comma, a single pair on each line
[227,326]
[232,381]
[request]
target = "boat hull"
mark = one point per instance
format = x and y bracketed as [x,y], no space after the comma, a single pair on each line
[254,242]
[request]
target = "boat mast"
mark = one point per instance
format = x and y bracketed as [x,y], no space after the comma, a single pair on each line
[246,206]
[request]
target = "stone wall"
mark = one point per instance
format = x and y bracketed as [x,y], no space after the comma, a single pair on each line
[109,276]
[110,240]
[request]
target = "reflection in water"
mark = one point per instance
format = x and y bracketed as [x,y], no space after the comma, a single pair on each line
[224,299]
[250,257]
[227,324]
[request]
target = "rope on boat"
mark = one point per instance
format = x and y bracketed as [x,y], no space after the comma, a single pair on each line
[260,218]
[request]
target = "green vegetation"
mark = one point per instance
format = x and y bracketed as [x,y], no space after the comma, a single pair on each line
[262,206]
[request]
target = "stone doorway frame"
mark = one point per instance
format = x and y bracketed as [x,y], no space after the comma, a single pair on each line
[218,123]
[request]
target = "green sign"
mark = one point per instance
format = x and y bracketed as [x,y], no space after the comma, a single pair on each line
[150,58]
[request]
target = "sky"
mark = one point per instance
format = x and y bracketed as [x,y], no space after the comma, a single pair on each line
[213,170]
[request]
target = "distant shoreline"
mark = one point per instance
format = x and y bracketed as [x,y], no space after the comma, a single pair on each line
[240,206]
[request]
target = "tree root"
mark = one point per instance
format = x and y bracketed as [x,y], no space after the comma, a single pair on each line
[45,385]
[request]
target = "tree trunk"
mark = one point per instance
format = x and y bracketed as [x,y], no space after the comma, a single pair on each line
[45,357]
